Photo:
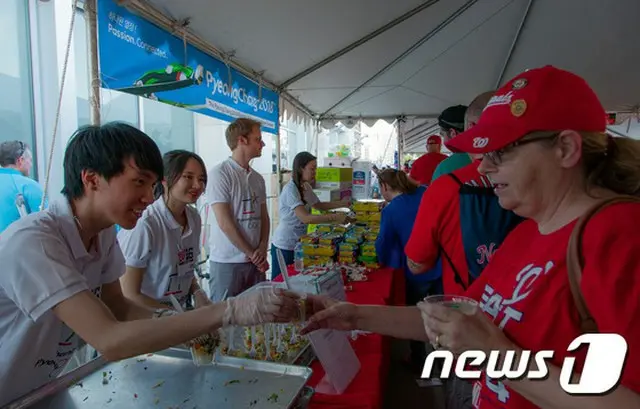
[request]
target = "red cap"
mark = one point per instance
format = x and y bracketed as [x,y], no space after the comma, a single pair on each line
[434,140]
[542,99]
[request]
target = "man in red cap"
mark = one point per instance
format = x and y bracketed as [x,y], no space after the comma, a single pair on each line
[423,167]
[437,230]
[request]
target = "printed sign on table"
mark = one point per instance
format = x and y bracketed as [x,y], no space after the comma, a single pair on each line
[338,359]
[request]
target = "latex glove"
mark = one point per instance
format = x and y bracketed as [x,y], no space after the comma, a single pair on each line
[262,305]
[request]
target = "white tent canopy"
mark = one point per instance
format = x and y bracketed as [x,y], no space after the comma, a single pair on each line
[370,59]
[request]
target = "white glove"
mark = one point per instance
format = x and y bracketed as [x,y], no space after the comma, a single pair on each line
[261,305]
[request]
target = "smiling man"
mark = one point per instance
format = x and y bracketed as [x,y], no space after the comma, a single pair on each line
[61,268]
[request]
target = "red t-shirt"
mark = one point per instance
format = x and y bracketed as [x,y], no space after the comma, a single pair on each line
[438,225]
[525,289]
[423,167]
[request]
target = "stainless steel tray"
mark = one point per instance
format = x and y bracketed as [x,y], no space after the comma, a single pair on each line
[169,379]
[306,356]
[304,398]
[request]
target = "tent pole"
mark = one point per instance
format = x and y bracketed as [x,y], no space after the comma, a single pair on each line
[404,54]
[360,42]
[513,45]
[279,149]
[316,125]
[400,127]
[93,67]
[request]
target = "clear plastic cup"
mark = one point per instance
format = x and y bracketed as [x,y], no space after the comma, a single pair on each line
[203,350]
[465,305]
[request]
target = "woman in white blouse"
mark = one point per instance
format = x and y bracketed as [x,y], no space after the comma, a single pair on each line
[296,200]
[162,250]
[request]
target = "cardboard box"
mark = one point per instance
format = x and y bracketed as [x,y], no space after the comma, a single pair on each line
[334,175]
[337,162]
[327,195]
[329,284]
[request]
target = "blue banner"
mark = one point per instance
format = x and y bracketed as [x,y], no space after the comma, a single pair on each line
[138,57]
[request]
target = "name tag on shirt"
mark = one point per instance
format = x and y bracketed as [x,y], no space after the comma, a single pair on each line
[186,261]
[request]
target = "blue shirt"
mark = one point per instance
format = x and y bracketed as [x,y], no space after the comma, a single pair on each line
[13,183]
[396,225]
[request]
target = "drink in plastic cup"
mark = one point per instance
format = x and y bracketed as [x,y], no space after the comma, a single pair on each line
[465,305]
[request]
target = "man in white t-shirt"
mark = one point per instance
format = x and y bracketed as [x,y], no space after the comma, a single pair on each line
[239,237]
[59,282]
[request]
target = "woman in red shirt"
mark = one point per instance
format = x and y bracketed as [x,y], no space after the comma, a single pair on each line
[545,148]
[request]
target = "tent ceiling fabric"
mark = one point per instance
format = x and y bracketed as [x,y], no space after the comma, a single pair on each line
[593,38]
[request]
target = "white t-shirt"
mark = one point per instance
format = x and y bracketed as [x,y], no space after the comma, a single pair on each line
[290,228]
[168,254]
[245,192]
[45,263]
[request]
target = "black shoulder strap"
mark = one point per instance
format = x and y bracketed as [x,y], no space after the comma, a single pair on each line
[456,275]
[454,177]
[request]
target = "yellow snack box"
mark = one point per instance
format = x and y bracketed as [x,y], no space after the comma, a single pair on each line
[369,205]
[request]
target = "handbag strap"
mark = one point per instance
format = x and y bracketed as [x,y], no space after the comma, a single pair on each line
[575,260]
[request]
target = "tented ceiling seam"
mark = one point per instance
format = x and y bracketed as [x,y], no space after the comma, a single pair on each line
[406,53]
[467,34]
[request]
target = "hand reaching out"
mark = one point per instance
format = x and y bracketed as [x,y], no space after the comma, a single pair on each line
[451,329]
[330,314]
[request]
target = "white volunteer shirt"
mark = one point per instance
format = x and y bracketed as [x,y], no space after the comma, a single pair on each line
[45,263]
[168,254]
[246,192]
[290,228]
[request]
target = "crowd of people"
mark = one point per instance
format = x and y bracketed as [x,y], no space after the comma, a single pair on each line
[534,161]
[492,222]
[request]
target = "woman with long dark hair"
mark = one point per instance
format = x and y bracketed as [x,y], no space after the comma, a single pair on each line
[296,200]
[162,250]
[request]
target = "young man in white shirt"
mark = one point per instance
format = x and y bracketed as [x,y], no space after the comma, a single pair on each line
[61,268]
[239,236]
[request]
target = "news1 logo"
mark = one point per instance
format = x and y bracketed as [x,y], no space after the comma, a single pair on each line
[600,374]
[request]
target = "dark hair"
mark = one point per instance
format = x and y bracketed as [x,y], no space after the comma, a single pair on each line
[453,118]
[174,163]
[104,150]
[11,151]
[301,160]
[398,181]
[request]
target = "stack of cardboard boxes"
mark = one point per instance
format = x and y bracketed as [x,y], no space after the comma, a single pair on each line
[333,184]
